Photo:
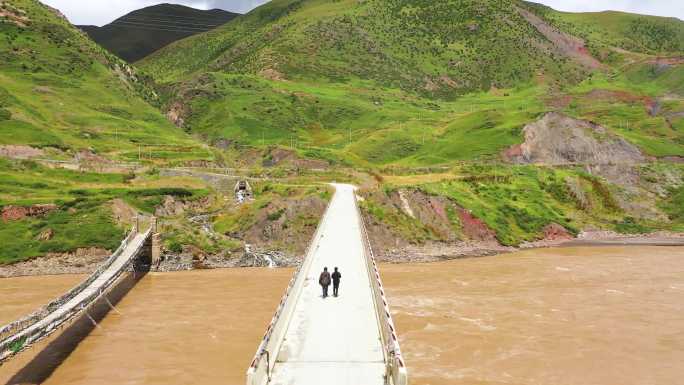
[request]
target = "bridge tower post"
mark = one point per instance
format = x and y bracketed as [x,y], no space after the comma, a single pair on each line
[156,242]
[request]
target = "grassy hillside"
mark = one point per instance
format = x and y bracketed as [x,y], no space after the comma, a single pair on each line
[417,83]
[438,49]
[604,30]
[62,93]
[83,217]
[64,98]
[144,31]
[382,85]
[517,203]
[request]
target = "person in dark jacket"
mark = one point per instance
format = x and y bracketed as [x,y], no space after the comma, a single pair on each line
[324,281]
[336,276]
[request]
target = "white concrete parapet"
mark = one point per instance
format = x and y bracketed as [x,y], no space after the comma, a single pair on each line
[396,367]
[262,365]
[310,338]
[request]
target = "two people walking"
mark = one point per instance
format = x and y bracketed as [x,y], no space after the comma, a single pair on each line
[325,279]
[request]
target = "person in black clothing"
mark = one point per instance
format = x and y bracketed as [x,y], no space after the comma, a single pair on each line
[324,281]
[336,276]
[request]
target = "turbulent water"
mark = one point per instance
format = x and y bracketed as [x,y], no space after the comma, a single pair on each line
[554,317]
[566,316]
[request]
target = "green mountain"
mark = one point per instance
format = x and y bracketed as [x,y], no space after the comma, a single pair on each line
[141,32]
[419,82]
[63,94]
[64,98]
[511,120]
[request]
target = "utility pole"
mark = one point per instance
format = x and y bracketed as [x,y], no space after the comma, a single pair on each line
[139,152]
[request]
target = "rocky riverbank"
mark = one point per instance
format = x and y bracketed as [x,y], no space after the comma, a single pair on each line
[438,251]
[249,258]
[80,261]
[85,261]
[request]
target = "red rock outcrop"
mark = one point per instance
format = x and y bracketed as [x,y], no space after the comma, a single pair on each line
[15,213]
[474,228]
[554,231]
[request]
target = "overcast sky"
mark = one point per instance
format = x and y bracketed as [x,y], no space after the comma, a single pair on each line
[100,12]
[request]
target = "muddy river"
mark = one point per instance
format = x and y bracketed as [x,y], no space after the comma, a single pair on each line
[609,315]
[21,296]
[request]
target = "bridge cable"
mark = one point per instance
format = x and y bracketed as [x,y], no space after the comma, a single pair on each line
[92,320]
[111,306]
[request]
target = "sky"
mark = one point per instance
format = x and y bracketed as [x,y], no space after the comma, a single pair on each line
[101,12]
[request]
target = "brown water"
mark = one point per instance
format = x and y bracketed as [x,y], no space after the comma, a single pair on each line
[565,316]
[21,296]
[198,327]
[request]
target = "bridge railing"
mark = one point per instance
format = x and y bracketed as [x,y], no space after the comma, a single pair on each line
[14,336]
[261,367]
[396,372]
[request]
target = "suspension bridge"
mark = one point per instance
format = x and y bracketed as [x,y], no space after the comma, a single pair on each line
[137,248]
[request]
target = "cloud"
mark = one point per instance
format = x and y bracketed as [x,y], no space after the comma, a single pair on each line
[100,12]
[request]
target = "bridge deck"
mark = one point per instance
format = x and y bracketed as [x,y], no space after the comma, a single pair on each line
[94,287]
[335,341]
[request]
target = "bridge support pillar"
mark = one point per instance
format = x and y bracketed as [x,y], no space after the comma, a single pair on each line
[156,249]
[155,246]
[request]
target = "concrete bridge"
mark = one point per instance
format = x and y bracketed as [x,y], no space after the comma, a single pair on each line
[345,340]
[137,252]
[349,340]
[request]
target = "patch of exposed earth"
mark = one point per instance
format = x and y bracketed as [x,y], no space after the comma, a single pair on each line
[441,251]
[565,44]
[13,14]
[192,258]
[12,151]
[557,139]
[80,261]
[473,238]
[15,213]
